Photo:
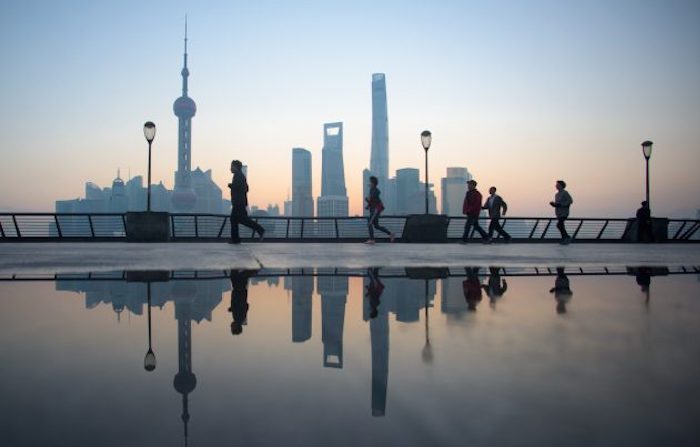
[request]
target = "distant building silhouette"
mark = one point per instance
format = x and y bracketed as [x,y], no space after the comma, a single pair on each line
[379,161]
[334,292]
[194,191]
[333,201]
[302,291]
[302,199]
[453,188]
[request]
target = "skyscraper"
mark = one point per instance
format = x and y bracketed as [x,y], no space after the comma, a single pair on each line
[334,292]
[184,197]
[379,161]
[333,200]
[302,200]
[453,189]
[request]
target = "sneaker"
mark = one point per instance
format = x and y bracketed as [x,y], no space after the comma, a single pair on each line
[370,242]
[565,241]
[392,237]
[262,236]
[487,241]
[234,242]
[507,240]
[463,242]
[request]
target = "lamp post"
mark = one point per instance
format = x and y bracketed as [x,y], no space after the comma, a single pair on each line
[149,361]
[149,131]
[426,138]
[646,150]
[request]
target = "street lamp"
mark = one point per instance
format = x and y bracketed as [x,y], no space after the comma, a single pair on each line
[149,131]
[646,150]
[426,138]
[149,361]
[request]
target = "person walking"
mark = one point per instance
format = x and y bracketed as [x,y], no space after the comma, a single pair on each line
[239,204]
[472,208]
[561,203]
[239,298]
[496,286]
[375,207]
[494,204]
[644,233]
[561,290]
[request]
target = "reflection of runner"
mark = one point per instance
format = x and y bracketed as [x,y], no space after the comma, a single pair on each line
[239,299]
[472,288]
[561,290]
[496,286]
[374,291]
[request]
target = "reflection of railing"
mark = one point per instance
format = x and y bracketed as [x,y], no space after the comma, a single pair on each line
[216,227]
[390,272]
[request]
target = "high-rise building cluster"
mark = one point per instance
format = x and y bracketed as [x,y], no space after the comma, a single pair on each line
[194,192]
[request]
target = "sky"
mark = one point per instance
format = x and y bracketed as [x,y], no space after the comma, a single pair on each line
[522,93]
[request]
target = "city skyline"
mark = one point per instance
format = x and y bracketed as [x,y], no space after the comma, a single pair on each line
[517,94]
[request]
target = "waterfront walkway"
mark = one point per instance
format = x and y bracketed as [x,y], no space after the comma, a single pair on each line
[92,257]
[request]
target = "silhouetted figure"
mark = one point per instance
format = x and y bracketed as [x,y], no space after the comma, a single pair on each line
[644,232]
[375,207]
[494,204]
[239,204]
[472,208]
[562,202]
[471,287]
[239,298]
[374,291]
[562,292]
[496,286]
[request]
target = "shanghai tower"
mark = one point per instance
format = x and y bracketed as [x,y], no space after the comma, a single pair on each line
[184,197]
[379,161]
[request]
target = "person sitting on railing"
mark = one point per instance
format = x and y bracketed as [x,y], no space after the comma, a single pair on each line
[644,233]
[375,207]
[561,203]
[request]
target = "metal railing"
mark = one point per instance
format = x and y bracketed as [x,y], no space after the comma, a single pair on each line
[390,272]
[216,227]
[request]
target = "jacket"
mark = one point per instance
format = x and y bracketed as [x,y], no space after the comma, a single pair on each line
[495,206]
[472,203]
[562,202]
[239,190]
[373,201]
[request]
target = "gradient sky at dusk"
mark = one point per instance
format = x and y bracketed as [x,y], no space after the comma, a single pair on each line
[521,93]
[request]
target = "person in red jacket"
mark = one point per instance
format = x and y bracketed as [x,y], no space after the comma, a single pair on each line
[472,208]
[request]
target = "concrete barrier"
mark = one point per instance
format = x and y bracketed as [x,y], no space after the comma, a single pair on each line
[425,228]
[147,226]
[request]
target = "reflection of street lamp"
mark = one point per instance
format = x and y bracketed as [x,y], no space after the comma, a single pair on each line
[427,349]
[149,131]
[149,362]
[646,150]
[426,138]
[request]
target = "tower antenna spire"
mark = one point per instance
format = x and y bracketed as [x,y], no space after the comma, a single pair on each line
[185,40]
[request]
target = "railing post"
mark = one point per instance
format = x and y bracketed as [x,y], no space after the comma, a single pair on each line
[58,226]
[124,223]
[2,232]
[172,224]
[196,227]
[14,221]
[534,228]
[286,235]
[602,230]
[221,230]
[302,229]
[544,233]
[92,229]
[337,233]
[675,236]
[577,229]
[691,231]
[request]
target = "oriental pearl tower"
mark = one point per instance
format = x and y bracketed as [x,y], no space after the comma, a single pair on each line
[184,197]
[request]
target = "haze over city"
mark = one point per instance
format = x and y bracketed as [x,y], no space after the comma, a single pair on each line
[520,93]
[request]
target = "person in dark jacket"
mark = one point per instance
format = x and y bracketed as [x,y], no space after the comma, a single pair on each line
[472,208]
[496,286]
[374,291]
[644,233]
[239,204]
[494,204]
[239,298]
[561,290]
[561,203]
[375,207]
[471,287]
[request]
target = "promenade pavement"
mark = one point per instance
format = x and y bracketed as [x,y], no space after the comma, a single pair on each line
[93,257]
